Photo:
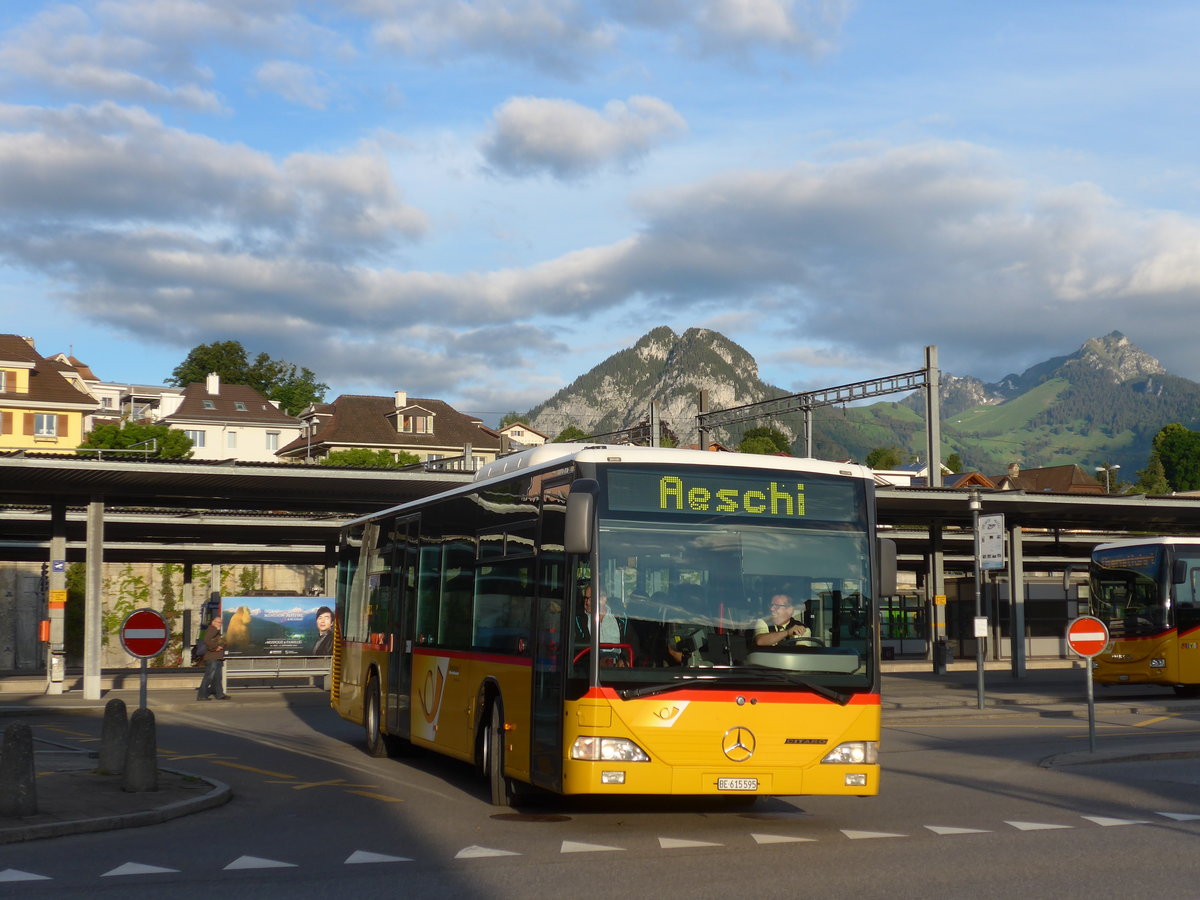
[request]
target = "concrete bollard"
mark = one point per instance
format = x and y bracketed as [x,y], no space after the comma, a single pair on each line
[114,738]
[18,780]
[141,757]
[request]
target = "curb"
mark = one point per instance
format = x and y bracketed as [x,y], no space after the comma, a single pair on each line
[219,795]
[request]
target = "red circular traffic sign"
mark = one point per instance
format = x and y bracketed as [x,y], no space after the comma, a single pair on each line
[1087,636]
[144,633]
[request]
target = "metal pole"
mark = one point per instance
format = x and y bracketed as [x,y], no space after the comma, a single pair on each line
[142,693]
[975,505]
[1087,674]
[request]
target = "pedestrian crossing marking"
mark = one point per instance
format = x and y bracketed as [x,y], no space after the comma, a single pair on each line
[948,829]
[868,835]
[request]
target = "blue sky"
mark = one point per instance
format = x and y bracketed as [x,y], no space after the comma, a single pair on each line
[479,200]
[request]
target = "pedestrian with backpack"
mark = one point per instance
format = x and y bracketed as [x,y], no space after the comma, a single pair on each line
[214,662]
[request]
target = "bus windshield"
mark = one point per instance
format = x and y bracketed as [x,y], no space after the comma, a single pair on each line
[1127,591]
[693,596]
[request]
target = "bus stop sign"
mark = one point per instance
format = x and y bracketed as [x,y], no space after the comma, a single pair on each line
[144,633]
[1087,636]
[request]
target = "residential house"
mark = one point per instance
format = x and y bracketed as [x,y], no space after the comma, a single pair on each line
[1069,479]
[231,421]
[40,408]
[115,401]
[431,429]
[910,475]
[521,436]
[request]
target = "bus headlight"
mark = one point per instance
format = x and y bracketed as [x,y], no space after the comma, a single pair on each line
[608,748]
[854,753]
[1158,663]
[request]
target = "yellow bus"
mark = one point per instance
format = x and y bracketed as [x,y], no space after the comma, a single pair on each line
[1148,593]
[465,624]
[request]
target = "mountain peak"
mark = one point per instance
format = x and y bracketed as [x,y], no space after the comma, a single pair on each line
[663,367]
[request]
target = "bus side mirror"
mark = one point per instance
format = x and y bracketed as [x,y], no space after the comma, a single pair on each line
[581,516]
[887,568]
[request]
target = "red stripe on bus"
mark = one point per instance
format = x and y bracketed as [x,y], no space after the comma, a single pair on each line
[477,657]
[762,696]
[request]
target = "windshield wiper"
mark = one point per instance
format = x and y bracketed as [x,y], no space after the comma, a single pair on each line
[740,675]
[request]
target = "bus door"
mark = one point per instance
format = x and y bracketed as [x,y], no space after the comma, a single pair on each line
[400,628]
[551,641]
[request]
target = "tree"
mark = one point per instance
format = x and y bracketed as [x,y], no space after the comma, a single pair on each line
[370,459]
[292,387]
[954,463]
[1152,479]
[570,435]
[754,437]
[511,418]
[884,457]
[761,445]
[169,443]
[1178,450]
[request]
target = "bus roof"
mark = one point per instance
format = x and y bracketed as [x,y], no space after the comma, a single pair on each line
[551,456]
[1156,540]
[548,455]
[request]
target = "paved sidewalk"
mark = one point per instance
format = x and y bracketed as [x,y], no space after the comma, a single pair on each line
[74,799]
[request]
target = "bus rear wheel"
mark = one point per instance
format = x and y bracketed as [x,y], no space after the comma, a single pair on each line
[376,745]
[1187,690]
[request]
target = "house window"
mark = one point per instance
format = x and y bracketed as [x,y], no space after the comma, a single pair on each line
[517,432]
[45,425]
[106,402]
[208,404]
[3,381]
[197,438]
[239,405]
[272,441]
[416,425]
[231,440]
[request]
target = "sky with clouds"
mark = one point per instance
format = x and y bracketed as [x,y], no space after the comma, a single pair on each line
[479,200]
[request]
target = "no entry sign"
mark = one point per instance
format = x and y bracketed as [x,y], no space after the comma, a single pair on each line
[1087,636]
[144,633]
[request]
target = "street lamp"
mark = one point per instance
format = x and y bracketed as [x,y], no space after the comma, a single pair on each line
[975,505]
[1107,470]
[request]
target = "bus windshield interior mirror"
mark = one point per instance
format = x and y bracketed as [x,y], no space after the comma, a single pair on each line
[887,568]
[1179,571]
[581,515]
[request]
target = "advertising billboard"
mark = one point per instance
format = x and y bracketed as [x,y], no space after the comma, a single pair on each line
[278,626]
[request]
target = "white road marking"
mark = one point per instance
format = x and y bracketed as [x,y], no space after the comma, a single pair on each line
[132,868]
[365,856]
[1034,826]
[476,852]
[257,862]
[577,847]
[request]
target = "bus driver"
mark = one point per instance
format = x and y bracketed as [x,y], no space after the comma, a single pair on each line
[782,624]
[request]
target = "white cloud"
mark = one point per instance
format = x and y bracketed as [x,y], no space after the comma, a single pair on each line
[114,171]
[532,135]
[295,83]
[561,37]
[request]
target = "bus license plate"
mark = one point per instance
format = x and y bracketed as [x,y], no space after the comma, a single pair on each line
[737,784]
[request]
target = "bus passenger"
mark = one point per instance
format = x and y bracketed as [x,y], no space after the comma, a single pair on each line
[782,625]
[613,630]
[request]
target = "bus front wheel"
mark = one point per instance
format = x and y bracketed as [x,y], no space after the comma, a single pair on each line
[376,745]
[501,786]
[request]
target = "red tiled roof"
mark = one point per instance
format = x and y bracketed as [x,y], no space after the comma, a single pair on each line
[258,409]
[363,421]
